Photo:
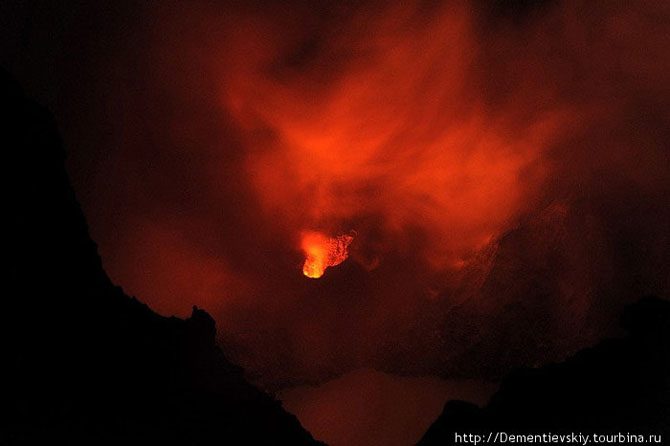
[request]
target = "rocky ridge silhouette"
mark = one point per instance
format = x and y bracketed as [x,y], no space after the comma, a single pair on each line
[85,364]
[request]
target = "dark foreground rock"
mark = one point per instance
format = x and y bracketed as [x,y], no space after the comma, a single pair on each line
[82,363]
[619,386]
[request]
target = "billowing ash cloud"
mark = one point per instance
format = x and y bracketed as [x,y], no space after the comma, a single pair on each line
[505,174]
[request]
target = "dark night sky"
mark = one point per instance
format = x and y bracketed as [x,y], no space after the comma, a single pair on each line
[504,172]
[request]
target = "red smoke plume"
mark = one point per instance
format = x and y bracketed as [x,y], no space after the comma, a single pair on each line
[505,172]
[397,131]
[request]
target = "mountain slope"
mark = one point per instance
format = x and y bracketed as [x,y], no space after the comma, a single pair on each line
[620,385]
[83,362]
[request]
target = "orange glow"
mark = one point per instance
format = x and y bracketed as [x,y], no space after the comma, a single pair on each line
[398,140]
[322,252]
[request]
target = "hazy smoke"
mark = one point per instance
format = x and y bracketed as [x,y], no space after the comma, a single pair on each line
[505,171]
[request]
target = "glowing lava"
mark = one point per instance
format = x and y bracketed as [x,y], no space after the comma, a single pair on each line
[322,252]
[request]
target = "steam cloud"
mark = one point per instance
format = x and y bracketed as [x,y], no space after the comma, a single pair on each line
[506,173]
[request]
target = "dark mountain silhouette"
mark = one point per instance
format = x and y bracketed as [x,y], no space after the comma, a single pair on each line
[83,363]
[619,386]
